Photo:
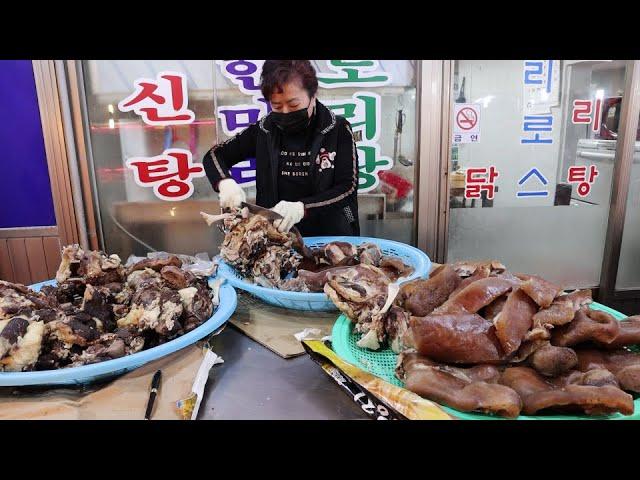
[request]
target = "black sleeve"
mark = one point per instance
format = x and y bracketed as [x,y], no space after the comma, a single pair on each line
[345,175]
[225,155]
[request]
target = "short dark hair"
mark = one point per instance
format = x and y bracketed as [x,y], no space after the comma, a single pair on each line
[276,73]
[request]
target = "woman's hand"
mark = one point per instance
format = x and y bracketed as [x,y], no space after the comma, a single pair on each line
[291,213]
[231,194]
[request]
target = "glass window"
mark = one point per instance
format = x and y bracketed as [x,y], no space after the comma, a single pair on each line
[377,96]
[533,149]
[629,263]
[133,218]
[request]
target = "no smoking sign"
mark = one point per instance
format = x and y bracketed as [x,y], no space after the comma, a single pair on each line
[466,123]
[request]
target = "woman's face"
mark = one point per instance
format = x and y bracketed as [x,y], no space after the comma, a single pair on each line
[293,97]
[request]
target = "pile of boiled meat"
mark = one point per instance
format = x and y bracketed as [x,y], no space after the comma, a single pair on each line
[255,248]
[479,339]
[99,310]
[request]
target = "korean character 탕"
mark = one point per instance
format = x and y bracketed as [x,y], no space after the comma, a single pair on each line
[170,174]
[578,174]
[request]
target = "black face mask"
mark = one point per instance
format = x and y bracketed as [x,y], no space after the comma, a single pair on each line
[292,122]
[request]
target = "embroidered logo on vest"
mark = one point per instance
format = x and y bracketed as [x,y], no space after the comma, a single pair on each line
[325,159]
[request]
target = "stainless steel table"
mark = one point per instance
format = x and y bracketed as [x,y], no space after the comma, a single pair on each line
[254,383]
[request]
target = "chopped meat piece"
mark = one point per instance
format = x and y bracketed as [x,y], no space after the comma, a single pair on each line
[482,271]
[108,347]
[527,348]
[492,310]
[98,303]
[628,334]
[623,364]
[92,267]
[54,354]
[256,249]
[13,298]
[475,296]
[176,278]
[15,287]
[396,324]
[563,309]
[314,281]
[471,389]
[155,264]
[11,331]
[275,263]
[395,268]
[140,278]
[339,254]
[364,294]
[370,254]
[541,291]
[69,263]
[47,315]
[197,304]
[299,284]
[514,320]
[25,352]
[466,269]
[421,297]
[594,378]
[455,338]
[154,307]
[70,291]
[538,394]
[552,361]
[77,329]
[587,326]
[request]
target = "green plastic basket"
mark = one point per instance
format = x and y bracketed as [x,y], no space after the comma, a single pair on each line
[382,363]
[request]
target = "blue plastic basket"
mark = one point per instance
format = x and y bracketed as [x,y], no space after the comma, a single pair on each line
[110,368]
[319,302]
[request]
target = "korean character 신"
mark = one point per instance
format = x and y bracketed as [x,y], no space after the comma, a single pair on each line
[162,101]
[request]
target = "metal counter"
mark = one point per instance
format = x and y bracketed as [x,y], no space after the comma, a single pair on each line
[254,383]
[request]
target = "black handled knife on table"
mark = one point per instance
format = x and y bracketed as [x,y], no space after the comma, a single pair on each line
[155,383]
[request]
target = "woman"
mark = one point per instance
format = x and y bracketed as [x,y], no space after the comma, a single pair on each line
[306,160]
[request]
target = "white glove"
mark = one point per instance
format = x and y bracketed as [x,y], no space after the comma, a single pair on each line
[231,194]
[291,213]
